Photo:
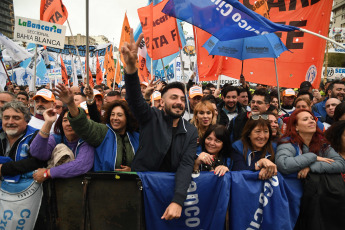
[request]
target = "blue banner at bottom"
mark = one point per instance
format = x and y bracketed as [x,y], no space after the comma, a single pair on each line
[253,204]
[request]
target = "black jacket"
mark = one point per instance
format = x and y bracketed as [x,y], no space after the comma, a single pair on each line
[223,118]
[236,126]
[155,140]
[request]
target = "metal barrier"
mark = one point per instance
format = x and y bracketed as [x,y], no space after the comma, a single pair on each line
[92,201]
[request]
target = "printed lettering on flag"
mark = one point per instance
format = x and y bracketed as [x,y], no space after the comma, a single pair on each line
[20,203]
[305,61]
[53,11]
[160,31]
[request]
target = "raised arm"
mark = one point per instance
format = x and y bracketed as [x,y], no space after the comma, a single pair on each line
[136,101]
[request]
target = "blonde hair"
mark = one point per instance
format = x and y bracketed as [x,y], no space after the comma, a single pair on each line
[200,106]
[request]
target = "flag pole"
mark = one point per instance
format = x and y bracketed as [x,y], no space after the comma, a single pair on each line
[275,65]
[165,73]
[321,36]
[8,77]
[117,64]
[87,43]
[33,79]
[82,70]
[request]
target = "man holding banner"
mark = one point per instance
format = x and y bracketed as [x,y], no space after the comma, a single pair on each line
[167,142]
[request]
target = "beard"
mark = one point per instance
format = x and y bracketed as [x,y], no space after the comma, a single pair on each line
[40,110]
[172,114]
[11,132]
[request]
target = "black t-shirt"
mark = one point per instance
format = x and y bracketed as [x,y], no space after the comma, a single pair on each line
[166,164]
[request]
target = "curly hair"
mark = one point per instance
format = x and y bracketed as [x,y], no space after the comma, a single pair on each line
[131,124]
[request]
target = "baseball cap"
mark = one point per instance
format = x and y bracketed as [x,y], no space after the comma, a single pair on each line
[195,91]
[305,85]
[97,93]
[144,83]
[46,94]
[288,93]
[156,95]
[83,105]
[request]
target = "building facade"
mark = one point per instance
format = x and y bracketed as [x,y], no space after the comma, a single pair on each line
[80,40]
[6,18]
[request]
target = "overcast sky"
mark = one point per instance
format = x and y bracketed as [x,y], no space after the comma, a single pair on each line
[105,16]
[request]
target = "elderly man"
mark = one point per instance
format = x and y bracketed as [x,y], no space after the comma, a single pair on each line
[172,143]
[15,137]
[44,99]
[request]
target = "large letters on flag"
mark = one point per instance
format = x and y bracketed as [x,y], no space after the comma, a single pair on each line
[224,19]
[204,208]
[53,11]
[160,31]
[306,60]
[253,204]
[19,204]
[270,204]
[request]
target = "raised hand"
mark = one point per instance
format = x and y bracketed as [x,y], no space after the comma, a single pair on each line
[130,53]
[64,93]
[50,115]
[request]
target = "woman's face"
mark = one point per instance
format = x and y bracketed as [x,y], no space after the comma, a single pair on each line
[118,120]
[305,123]
[67,128]
[204,117]
[302,105]
[259,137]
[274,124]
[212,144]
[274,102]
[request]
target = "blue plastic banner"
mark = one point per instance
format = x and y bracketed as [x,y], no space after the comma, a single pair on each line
[204,208]
[253,204]
[271,204]
[224,19]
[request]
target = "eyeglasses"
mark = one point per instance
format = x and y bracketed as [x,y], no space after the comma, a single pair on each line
[256,117]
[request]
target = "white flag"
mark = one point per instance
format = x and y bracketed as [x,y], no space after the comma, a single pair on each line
[3,78]
[74,72]
[16,52]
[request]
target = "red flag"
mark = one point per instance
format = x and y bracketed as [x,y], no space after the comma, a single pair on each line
[125,36]
[209,66]
[99,77]
[53,11]
[64,72]
[91,83]
[160,31]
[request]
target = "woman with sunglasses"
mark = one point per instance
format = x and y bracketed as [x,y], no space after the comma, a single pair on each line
[304,149]
[215,151]
[254,151]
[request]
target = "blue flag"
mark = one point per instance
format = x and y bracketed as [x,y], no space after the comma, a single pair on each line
[270,204]
[224,19]
[204,208]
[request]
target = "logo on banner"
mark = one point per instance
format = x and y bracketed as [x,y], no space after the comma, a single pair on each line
[311,74]
[189,48]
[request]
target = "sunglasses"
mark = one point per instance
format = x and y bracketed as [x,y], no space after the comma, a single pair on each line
[258,116]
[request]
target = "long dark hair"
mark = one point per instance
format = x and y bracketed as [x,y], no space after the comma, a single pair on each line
[58,124]
[222,134]
[131,124]
[334,133]
[318,141]
[247,144]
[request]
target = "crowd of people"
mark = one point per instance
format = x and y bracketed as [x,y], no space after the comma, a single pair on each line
[155,126]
